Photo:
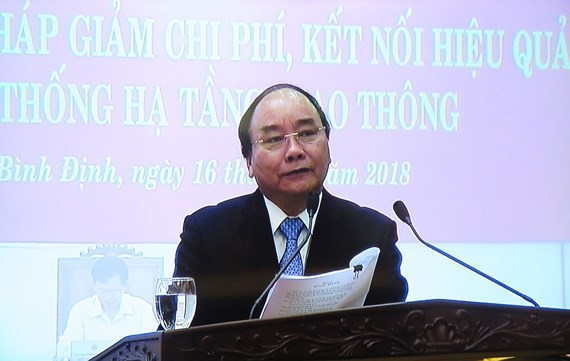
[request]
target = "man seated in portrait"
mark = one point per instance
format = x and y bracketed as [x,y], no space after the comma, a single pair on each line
[107,316]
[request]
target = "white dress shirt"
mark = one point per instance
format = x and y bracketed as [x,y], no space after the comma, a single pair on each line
[88,322]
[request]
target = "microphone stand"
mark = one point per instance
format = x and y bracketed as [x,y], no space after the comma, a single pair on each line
[402,213]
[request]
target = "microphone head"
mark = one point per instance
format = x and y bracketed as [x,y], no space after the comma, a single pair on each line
[402,212]
[312,203]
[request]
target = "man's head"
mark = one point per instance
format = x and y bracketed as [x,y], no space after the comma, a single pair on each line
[110,275]
[286,169]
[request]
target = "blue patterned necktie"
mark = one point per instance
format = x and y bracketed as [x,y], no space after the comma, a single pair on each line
[291,228]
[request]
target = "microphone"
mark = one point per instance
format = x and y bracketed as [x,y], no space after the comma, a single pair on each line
[312,205]
[404,215]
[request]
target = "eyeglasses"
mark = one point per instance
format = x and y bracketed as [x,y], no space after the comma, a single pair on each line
[306,136]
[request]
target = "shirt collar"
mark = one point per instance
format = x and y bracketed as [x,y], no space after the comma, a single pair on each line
[126,308]
[277,216]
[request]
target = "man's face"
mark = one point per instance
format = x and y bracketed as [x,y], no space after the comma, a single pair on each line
[295,169]
[110,292]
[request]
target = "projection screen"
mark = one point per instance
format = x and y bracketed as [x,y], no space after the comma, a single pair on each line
[118,118]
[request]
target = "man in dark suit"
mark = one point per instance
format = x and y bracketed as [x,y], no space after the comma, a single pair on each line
[233,249]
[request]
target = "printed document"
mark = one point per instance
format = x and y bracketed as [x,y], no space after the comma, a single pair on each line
[296,295]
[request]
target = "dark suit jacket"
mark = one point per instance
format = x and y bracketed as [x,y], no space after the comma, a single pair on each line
[230,252]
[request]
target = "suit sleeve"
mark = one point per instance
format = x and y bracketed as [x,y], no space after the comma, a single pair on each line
[186,260]
[388,284]
[207,253]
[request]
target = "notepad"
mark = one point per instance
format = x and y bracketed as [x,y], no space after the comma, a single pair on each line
[84,350]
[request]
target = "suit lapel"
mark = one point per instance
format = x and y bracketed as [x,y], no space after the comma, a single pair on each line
[324,254]
[255,233]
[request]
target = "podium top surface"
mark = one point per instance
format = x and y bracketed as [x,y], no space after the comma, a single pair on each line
[419,330]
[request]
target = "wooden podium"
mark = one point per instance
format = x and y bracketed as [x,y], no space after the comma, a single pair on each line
[423,330]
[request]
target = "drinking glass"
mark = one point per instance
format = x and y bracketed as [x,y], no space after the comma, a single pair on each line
[175,302]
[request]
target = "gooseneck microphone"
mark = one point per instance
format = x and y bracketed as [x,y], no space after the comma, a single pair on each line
[404,215]
[312,205]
